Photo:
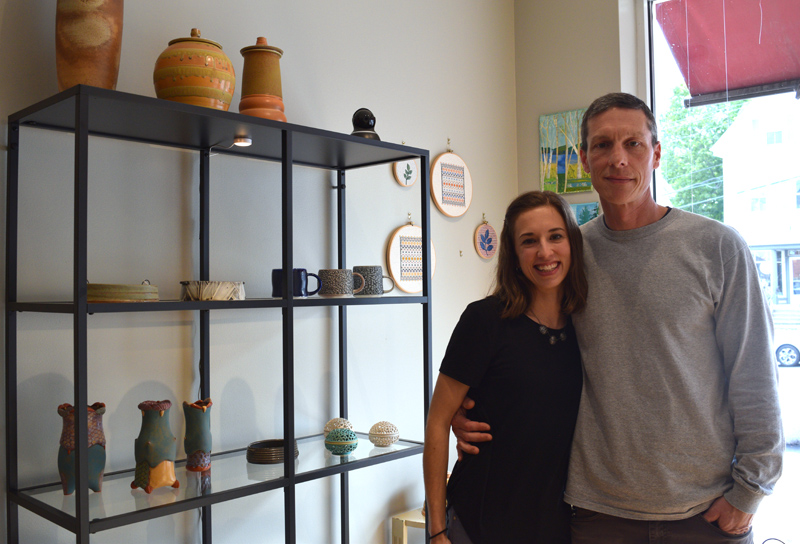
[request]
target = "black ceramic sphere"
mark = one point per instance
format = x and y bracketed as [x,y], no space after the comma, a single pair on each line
[364,124]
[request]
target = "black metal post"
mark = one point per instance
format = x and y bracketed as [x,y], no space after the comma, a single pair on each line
[341,236]
[288,339]
[12,217]
[80,318]
[205,315]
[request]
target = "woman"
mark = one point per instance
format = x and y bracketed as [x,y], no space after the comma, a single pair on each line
[515,354]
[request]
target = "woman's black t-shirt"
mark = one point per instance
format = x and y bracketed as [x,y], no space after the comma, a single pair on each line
[528,390]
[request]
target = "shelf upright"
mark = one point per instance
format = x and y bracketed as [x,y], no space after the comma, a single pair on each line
[12,217]
[80,317]
[289,495]
[205,315]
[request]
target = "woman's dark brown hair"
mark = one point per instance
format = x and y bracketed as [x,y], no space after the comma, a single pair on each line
[510,284]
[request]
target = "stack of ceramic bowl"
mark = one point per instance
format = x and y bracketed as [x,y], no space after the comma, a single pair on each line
[267,452]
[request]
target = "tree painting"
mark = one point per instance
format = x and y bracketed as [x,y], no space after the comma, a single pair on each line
[560,168]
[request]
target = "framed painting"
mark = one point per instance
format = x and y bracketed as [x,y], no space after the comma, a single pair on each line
[585,212]
[560,168]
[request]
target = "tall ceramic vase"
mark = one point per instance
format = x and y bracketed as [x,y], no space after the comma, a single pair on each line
[88,42]
[262,95]
[155,448]
[197,442]
[96,451]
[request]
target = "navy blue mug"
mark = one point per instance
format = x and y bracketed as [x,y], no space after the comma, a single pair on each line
[300,282]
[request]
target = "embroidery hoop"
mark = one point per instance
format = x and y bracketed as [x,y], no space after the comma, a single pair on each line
[403,263]
[486,240]
[455,201]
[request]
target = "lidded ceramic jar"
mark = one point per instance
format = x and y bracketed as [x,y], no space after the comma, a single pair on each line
[262,95]
[195,71]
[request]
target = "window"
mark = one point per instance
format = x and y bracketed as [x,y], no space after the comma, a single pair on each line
[718,158]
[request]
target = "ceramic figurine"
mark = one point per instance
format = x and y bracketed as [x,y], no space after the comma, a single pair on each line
[341,441]
[195,71]
[197,442]
[96,451]
[155,448]
[364,124]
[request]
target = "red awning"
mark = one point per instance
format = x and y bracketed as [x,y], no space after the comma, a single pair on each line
[722,45]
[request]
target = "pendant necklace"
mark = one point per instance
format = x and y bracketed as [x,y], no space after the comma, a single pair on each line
[554,335]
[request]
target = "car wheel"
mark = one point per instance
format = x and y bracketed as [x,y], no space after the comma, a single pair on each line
[787,355]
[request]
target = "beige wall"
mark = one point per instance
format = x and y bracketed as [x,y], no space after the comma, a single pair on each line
[569,53]
[479,72]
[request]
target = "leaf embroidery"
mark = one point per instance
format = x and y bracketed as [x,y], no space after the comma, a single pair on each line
[407,173]
[486,241]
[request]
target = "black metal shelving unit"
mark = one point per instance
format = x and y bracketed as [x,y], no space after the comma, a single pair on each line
[89,111]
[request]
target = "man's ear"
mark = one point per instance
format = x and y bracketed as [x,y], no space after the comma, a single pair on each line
[585,164]
[656,155]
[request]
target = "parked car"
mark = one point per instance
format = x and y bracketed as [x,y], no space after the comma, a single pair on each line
[786,343]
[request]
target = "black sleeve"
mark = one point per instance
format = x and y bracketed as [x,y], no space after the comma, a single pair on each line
[470,350]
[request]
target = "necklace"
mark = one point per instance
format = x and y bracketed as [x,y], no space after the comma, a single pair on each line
[554,335]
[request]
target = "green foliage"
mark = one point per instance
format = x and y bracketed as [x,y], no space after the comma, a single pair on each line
[692,171]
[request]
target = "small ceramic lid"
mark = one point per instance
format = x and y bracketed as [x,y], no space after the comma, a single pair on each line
[195,37]
[261,45]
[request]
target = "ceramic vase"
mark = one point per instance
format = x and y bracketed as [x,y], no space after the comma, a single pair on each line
[262,95]
[195,71]
[155,448]
[88,42]
[197,442]
[96,451]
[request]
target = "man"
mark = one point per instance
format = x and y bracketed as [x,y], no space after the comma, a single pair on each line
[678,435]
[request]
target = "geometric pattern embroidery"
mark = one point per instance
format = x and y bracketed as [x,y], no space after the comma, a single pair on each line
[453,185]
[410,258]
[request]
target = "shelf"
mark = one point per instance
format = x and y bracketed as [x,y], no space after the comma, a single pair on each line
[230,476]
[114,114]
[177,305]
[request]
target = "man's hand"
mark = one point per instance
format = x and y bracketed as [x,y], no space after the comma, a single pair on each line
[467,431]
[728,518]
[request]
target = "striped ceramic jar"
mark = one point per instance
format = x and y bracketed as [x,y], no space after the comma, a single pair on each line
[195,71]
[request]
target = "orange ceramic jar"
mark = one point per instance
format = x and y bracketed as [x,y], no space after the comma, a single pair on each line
[262,95]
[195,71]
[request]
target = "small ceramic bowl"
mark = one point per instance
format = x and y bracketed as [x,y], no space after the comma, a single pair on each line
[341,441]
[266,452]
[383,434]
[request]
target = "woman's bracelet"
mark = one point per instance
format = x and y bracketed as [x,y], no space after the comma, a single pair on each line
[443,531]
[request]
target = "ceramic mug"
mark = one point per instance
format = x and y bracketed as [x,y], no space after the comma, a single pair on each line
[300,282]
[338,282]
[373,281]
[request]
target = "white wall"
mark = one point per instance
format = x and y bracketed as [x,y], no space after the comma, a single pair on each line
[429,72]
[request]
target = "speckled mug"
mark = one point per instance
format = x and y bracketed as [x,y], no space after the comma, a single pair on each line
[338,282]
[373,281]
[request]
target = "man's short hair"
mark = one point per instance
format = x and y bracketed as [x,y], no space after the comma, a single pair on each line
[617,100]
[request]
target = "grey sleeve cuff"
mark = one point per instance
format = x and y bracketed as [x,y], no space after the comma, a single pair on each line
[742,498]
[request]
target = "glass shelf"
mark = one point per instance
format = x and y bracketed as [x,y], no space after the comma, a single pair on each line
[230,476]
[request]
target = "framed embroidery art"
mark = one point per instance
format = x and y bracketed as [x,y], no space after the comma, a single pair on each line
[451,185]
[486,240]
[404,258]
[405,172]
